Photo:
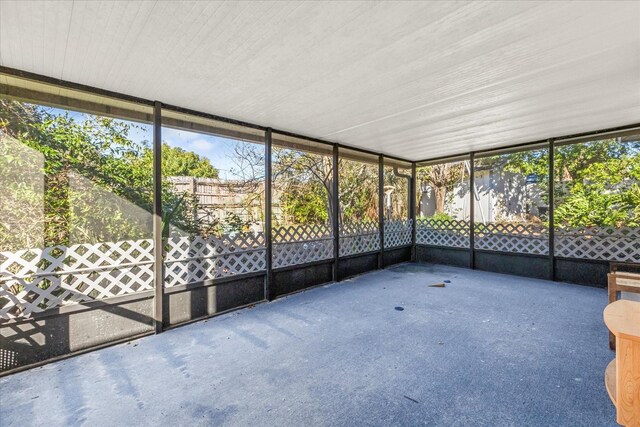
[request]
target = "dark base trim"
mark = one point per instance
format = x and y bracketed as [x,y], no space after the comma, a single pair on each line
[458,257]
[210,316]
[287,281]
[299,266]
[213,282]
[582,271]
[200,302]
[83,306]
[572,270]
[355,265]
[75,353]
[526,265]
[31,341]
[396,256]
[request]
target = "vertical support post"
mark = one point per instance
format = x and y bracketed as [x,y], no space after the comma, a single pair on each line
[335,217]
[552,258]
[381,209]
[269,289]
[158,245]
[472,210]
[412,209]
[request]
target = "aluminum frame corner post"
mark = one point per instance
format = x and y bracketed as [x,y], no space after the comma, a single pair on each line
[335,216]
[381,209]
[269,289]
[413,199]
[158,253]
[551,162]
[472,209]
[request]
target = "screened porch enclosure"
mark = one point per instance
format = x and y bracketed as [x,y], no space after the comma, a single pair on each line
[93,184]
[309,213]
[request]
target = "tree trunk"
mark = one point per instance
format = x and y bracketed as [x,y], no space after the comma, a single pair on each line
[329,204]
[440,193]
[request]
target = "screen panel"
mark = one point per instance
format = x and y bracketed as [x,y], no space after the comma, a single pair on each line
[302,201]
[597,199]
[397,182]
[212,198]
[443,200]
[359,203]
[511,202]
[76,199]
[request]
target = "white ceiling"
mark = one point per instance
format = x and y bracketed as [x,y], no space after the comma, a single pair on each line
[416,80]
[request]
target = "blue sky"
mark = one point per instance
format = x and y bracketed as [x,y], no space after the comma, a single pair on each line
[217,149]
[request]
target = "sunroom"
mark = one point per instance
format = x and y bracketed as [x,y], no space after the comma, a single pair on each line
[318,213]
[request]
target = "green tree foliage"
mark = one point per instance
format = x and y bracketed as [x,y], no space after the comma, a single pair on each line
[179,162]
[597,183]
[305,204]
[304,182]
[358,193]
[97,180]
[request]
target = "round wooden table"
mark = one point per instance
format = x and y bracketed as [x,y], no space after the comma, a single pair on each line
[622,376]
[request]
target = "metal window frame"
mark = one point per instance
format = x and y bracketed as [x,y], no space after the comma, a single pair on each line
[413,208]
[551,191]
[335,212]
[381,209]
[269,289]
[158,246]
[472,211]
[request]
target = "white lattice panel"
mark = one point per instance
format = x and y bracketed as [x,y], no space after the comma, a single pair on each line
[301,244]
[397,233]
[601,243]
[358,238]
[300,233]
[34,280]
[515,238]
[195,259]
[294,253]
[443,233]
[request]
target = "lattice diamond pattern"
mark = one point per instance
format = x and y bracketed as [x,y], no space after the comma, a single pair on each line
[397,233]
[512,237]
[451,233]
[301,244]
[34,280]
[358,238]
[294,253]
[602,243]
[299,233]
[194,259]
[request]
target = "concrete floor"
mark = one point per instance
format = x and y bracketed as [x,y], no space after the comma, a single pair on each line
[488,349]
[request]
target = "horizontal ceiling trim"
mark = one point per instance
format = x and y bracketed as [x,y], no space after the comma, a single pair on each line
[599,135]
[70,85]
[448,159]
[559,140]
[537,145]
[85,106]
